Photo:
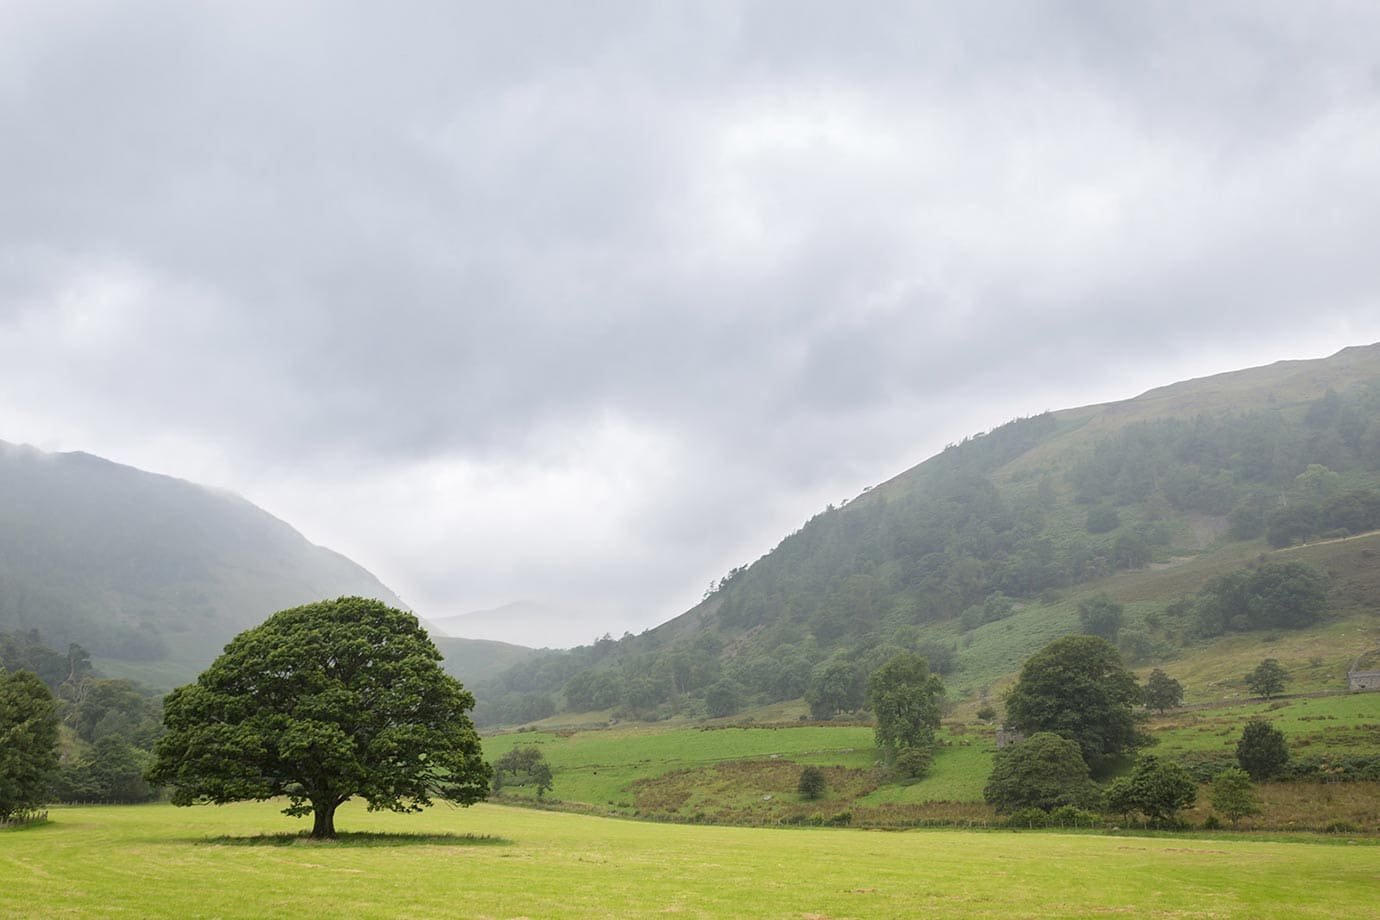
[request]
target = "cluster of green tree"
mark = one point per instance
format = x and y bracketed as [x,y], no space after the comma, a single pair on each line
[1310,516]
[1077,703]
[650,677]
[109,726]
[1276,595]
[905,700]
[1233,463]
[524,765]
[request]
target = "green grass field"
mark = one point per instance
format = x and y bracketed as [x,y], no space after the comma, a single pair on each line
[749,775]
[493,862]
[1327,726]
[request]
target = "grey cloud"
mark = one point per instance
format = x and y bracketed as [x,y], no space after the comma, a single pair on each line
[797,241]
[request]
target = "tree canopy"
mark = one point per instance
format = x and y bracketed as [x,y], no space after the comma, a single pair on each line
[1234,795]
[1078,688]
[523,765]
[1267,678]
[1276,595]
[1162,692]
[1156,788]
[319,704]
[1100,616]
[904,697]
[1262,750]
[28,741]
[1044,771]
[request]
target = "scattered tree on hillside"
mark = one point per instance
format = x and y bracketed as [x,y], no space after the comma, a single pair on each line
[1267,679]
[593,688]
[522,766]
[955,539]
[1277,595]
[723,698]
[1262,751]
[813,783]
[904,696]
[25,651]
[1156,788]
[322,703]
[28,741]
[1044,771]
[835,686]
[1100,616]
[1162,692]
[1078,688]
[1234,795]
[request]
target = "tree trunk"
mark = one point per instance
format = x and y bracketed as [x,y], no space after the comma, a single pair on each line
[323,819]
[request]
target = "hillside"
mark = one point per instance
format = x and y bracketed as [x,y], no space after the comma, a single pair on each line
[980,554]
[152,575]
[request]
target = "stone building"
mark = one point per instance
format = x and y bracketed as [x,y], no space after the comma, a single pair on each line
[1007,736]
[1363,680]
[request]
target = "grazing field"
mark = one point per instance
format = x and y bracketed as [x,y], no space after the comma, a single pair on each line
[1330,726]
[492,862]
[749,775]
[599,767]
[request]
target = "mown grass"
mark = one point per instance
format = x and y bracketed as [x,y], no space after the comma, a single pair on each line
[157,861]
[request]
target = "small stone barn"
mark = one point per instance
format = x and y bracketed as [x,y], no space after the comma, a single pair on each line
[1007,736]
[1363,680]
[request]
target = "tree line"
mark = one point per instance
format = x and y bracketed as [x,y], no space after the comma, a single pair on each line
[103,730]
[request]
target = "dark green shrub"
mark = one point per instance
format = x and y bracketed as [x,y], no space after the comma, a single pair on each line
[1262,751]
[813,783]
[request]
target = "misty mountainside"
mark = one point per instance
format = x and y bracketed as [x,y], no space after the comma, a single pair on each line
[150,574]
[981,554]
[561,624]
[477,659]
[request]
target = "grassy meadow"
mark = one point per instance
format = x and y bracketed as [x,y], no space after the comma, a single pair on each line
[490,861]
[748,775]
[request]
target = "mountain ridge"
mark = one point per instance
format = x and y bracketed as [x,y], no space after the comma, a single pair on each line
[148,571]
[1011,519]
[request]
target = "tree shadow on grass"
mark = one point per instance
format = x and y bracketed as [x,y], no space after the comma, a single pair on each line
[357,839]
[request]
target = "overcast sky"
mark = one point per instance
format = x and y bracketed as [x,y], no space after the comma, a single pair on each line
[590,302]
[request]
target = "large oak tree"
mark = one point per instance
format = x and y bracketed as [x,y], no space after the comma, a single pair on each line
[320,704]
[1078,688]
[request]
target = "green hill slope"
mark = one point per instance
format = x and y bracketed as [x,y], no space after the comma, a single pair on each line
[980,554]
[153,575]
